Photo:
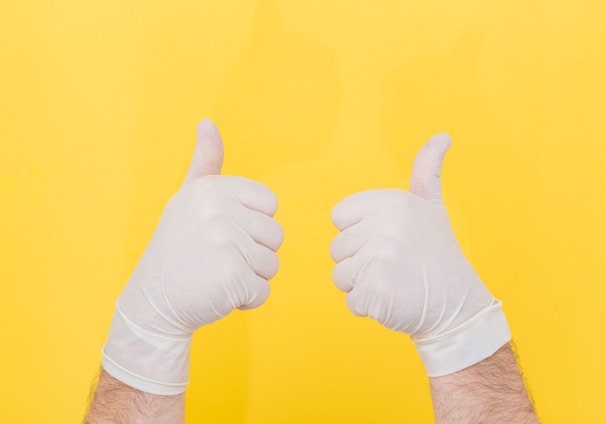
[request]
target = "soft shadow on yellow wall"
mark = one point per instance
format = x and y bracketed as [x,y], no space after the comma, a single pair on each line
[280,102]
[450,98]
[278,106]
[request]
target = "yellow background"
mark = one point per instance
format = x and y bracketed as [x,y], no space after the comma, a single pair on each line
[317,99]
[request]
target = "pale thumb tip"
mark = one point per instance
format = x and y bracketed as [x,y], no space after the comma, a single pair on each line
[441,142]
[208,154]
[427,169]
[207,127]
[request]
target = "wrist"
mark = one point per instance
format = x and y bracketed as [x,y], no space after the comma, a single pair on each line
[151,362]
[469,343]
[492,391]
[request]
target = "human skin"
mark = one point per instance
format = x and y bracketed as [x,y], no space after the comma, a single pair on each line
[491,391]
[115,402]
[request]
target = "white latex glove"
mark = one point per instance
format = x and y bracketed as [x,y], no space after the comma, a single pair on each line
[400,264]
[212,252]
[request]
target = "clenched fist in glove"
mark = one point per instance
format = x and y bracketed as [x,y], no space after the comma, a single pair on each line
[400,264]
[213,251]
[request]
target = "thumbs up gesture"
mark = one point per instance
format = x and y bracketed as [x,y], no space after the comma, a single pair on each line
[213,251]
[399,262]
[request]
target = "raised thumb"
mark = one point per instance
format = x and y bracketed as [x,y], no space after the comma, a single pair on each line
[425,180]
[208,154]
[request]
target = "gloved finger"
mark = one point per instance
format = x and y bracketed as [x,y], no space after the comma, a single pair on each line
[254,195]
[352,209]
[355,207]
[257,292]
[355,300]
[261,228]
[208,153]
[262,260]
[344,274]
[348,242]
[427,168]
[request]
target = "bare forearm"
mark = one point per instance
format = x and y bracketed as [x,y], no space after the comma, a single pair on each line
[115,402]
[490,391]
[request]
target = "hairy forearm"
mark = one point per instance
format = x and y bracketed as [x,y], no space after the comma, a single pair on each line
[115,402]
[491,391]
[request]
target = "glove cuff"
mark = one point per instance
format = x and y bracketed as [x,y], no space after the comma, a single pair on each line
[146,361]
[471,342]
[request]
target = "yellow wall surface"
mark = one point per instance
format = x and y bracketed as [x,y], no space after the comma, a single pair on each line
[317,99]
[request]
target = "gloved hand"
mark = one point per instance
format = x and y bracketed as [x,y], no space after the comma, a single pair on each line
[212,252]
[400,264]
